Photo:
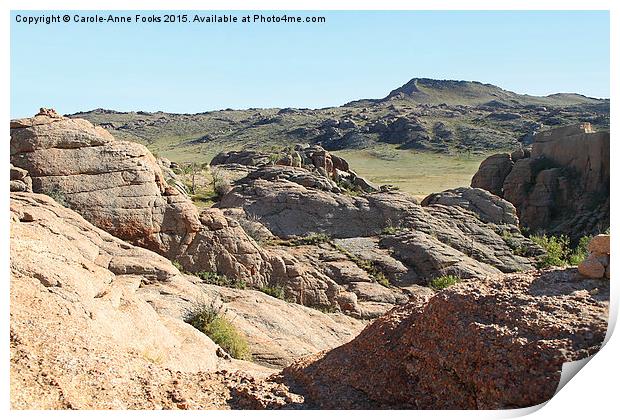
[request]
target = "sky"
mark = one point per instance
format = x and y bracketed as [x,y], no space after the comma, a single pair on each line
[197,67]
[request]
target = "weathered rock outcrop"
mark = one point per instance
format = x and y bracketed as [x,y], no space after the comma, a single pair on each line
[120,188]
[20,180]
[562,188]
[98,323]
[321,167]
[471,223]
[597,263]
[493,344]
[115,185]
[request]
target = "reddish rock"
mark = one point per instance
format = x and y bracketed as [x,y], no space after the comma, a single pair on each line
[493,344]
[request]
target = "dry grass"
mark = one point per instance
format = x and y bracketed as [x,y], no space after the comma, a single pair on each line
[417,173]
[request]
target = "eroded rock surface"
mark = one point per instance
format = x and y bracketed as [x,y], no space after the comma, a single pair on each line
[120,188]
[492,344]
[562,187]
[99,323]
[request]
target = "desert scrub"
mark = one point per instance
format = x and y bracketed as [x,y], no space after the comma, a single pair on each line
[391,228]
[558,252]
[274,291]
[442,282]
[211,277]
[580,253]
[313,239]
[326,309]
[220,182]
[208,319]
[178,266]
[366,265]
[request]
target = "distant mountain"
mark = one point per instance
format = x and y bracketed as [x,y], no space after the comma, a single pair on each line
[460,92]
[444,116]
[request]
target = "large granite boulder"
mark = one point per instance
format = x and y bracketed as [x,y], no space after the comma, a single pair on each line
[115,185]
[492,173]
[562,187]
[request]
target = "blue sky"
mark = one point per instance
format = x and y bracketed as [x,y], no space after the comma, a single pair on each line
[199,67]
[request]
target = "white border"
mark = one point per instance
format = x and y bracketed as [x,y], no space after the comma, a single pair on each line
[592,394]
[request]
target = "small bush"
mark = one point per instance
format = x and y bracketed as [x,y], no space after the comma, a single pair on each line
[275,291]
[314,239]
[381,278]
[558,252]
[557,249]
[211,277]
[207,318]
[326,309]
[581,252]
[220,182]
[390,230]
[442,282]
[178,266]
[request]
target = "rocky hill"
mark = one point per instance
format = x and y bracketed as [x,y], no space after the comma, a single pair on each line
[117,281]
[425,114]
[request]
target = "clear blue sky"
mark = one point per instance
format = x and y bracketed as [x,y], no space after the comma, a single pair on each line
[199,67]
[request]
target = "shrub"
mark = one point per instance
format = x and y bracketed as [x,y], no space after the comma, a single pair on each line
[208,319]
[220,182]
[442,282]
[580,253]
[558,252]
[391,229]
[381,278]
[556,249]
[211,277]
[313,239]
[178,266]
[275,291]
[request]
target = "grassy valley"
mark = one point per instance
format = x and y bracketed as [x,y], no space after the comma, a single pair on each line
[425,136]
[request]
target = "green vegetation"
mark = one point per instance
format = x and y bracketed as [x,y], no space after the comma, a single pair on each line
[211,277]
[391,229]
[558,252]
[366,265]
[313,239]
[208,319]
[442,282]
[178,266]
[326,309]
[276,291]
[417,173]
[580,253]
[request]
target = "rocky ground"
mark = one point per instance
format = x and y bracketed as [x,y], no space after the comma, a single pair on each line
[108,257]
